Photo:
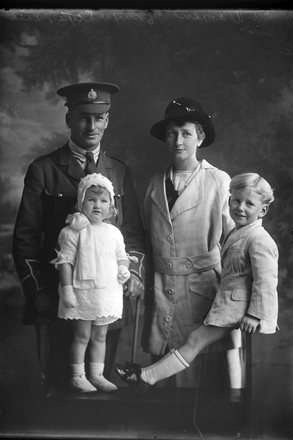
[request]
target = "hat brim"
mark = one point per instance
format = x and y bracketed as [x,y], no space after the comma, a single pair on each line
[158,130]
[91,107]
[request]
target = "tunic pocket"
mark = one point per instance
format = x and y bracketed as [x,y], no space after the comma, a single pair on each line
[240,295]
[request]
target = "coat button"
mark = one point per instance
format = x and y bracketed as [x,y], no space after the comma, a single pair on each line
[189,264]
[169,265]
[170,291]
[168,318]
[170,237]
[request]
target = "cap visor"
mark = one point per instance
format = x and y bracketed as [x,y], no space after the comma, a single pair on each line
[91,108]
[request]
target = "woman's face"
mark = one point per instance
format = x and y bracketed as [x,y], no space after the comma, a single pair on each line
[182,142]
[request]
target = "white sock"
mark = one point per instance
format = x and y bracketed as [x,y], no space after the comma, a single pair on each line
[78,381]
[169,365]
[97,379]
[77,369]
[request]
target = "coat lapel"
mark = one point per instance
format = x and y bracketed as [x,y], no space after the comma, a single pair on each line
[158,195]
[237,234]
[70,165]
[191,196]
[104,166]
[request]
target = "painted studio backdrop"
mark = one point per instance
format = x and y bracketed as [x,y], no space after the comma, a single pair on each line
[238,65]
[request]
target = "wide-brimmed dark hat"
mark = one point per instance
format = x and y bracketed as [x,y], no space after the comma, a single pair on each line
[181,109]
[89,97]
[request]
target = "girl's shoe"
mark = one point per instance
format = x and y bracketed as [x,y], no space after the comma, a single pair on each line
[131,375]
[101,383]
[81,384]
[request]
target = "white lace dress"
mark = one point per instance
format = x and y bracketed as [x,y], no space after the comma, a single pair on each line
[94,252]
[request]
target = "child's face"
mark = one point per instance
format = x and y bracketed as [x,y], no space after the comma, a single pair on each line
[246,206]
[96,205]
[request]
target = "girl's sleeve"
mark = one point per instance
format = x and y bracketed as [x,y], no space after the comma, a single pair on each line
[264,254]
[120,247]
[68,247]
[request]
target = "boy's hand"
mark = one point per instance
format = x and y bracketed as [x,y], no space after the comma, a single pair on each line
[123,274]
[249,324]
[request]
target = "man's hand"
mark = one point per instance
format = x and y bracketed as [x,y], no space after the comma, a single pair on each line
[134,287]
[249,324]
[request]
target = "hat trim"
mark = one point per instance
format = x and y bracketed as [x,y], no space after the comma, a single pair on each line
[87,103]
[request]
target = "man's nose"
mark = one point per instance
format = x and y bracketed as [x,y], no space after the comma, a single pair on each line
[91,124]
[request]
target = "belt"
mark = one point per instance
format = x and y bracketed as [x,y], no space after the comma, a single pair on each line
[187,265]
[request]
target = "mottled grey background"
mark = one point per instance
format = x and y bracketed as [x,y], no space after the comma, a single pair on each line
[237,64]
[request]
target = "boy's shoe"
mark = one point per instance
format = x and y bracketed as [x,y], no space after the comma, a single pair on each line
[81,384]
[131,375]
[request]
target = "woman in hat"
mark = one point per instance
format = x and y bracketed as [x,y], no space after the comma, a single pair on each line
[186,218]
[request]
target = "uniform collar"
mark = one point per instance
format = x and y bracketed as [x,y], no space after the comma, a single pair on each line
[79,153]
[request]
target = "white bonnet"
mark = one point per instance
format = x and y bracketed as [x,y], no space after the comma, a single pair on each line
[93,179]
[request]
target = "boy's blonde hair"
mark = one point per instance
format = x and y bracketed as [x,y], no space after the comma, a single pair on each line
[256,182]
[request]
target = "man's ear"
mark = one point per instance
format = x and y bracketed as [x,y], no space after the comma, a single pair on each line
[67,119]
[264,210]
[107,120]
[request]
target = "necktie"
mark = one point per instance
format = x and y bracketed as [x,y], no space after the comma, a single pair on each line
[172,194]
[90,166]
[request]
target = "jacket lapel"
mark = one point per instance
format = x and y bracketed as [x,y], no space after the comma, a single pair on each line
[158,195]
[104,167]
[191,196]
[70,165]
[238,234]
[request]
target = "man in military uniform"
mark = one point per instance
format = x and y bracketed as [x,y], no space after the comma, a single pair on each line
[49,195]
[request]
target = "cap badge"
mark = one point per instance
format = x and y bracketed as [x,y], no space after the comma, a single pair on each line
[92,95]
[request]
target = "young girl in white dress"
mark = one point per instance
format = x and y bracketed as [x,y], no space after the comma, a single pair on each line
[247,297]
[93,266]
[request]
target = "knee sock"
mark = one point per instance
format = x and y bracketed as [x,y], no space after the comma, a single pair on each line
[169,365]
[97,379]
